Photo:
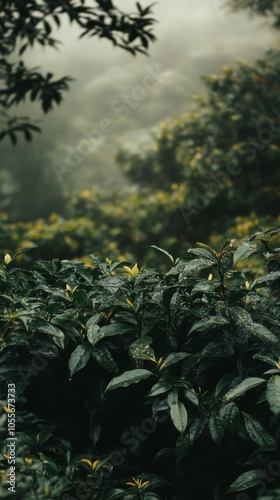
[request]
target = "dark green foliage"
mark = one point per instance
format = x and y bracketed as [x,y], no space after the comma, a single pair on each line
[144,385]
[225,152]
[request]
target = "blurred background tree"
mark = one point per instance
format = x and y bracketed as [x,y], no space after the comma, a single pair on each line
[227,152]
[24,25]
[268,8]
[211,173]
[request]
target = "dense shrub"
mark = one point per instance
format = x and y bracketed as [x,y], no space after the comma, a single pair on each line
[118,231]
[141,384]
[121,229]
[120,225]
[225,150]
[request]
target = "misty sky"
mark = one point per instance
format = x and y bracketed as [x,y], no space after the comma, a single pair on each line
[195,37]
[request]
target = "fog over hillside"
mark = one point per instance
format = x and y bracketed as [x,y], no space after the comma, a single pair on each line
[195,37]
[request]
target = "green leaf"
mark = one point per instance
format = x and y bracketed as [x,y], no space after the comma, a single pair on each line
[217,348]
[159,388]
[179,416]
[174,358]
[267,279]
[272,372]
[223,382]
[257,432]
[191,397]
[92,332]
[103,357]
[164,452]
[204,250]
[263,333]
[140,349]
[97,334]
[172,398]
[216,427]
[3,273]
[128,378]
[80,297]
[247,480]
[231,416]
[79,357]
[162,251]
[247,249]
[53,331]
[197,426]
[23,251]
[244,320]
[205,286]
[241,317]
[243,387]
[207,324]
[115,266]
[273,394]
[196,265]
[267,358]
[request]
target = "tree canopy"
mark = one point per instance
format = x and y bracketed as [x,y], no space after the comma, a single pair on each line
[268,8]
[24,24]
[225,151]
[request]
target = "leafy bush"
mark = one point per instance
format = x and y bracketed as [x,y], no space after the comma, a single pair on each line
[225,150]
[121,230]
[140,384]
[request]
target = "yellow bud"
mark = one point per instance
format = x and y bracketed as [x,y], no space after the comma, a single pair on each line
[6,409]
[153,360]
[86,461]
[68,288]
[95,463]
[6,456]
[247,285]
[135,271]
[28,461]
[7,259]
[210,277]
[130,304]
[145,483]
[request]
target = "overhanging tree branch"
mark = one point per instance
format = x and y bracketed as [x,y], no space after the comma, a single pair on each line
[26,23]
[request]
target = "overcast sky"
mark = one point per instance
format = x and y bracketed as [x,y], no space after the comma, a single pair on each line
[195,37]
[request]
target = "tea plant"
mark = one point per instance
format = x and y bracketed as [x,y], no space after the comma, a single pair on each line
[140,384]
